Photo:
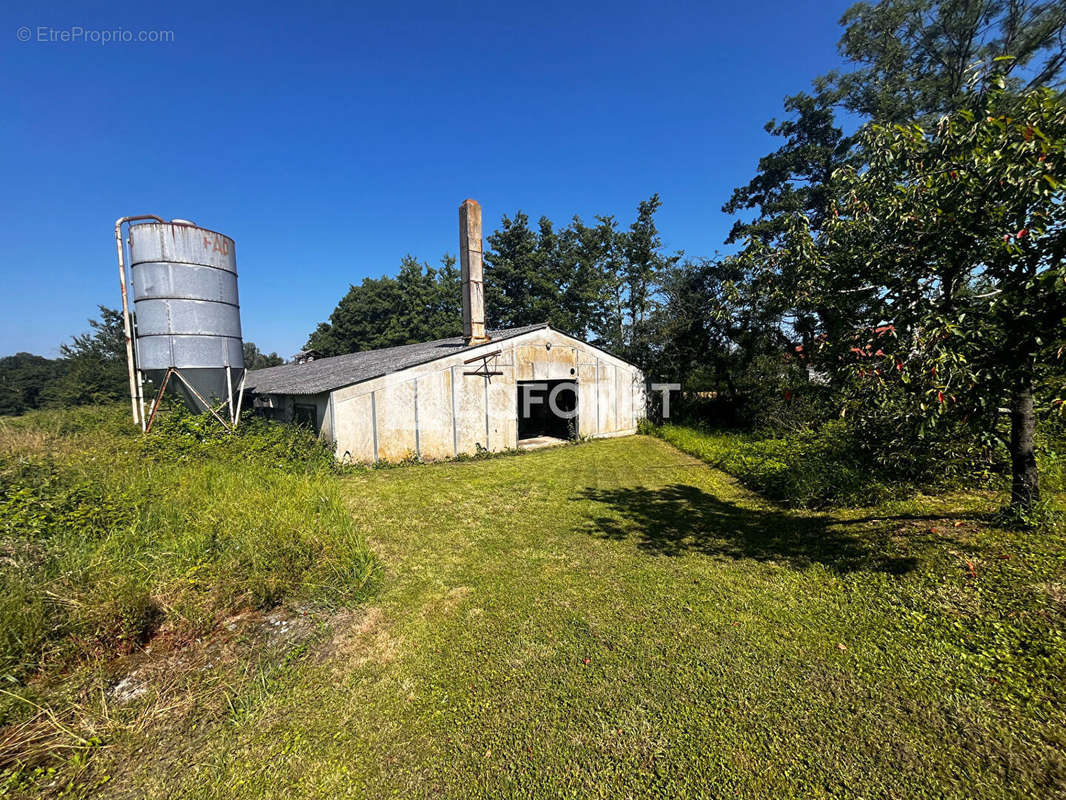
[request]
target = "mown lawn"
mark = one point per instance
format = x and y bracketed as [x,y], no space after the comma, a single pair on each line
[619,619]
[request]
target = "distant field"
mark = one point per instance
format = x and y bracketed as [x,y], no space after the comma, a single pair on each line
[609,619]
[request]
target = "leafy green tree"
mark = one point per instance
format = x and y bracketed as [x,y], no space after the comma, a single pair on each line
[254,358]
[597,282]
[594,281]
[643,269]
[446,311]
[589,261]
[695,330]
[917,59]
[906,60]
[946,257]
[27,381]
[361,319]
[420,304]
[794,179]
[94,364]
[517,290]
[613,331]
[429,304]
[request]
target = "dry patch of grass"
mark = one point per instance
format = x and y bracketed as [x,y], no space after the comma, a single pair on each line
[358,637]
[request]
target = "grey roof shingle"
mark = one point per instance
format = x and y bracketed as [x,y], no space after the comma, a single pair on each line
[327,374]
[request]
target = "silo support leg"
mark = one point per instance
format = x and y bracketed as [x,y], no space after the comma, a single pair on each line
[158,400]
[203,402]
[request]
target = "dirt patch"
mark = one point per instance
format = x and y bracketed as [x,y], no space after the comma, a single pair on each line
[173,678]
[171,659]
[359,637]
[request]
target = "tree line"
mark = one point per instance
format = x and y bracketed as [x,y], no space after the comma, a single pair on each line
[91,369]
[599,282]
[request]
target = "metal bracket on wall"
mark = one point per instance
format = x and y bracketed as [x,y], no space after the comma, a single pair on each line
[483,370]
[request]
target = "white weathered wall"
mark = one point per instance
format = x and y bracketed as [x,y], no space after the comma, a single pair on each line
[436,411]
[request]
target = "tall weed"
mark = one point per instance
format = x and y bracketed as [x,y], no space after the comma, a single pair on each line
[106,535]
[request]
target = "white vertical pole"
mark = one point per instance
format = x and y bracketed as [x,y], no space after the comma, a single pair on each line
[138,414]
[140,399]
[240,399]
[229,395]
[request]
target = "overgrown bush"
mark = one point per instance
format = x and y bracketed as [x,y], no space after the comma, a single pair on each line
[107,536]
[803,470]
[811,444]
[179,435]
[838,463]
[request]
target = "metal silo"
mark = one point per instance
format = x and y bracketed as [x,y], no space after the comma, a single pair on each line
[186,324]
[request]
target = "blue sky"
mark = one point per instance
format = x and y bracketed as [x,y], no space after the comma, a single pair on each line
[331,139]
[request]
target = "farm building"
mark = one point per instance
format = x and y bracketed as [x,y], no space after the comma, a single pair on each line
[485,390]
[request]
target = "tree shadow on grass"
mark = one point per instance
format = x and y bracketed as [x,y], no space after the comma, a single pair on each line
[678,519]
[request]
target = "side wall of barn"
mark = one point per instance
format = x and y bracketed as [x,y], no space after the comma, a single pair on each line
[469,401]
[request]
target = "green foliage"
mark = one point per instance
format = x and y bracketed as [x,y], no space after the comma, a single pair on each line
[924,281]
[571,278]
[254,358]
[421,304]
[39,500]
[795,178]
[1051,450]
[106,537]
[713,331]
[523,273]
[597,282]
[26,382]
[95,364]
[839,463]
[180,435]
[919,59]
[91,370]
[805,471]
[1042,516]
[111,423]
[906,60]
[954,236]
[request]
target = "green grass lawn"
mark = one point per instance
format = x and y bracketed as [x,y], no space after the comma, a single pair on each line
[619,619]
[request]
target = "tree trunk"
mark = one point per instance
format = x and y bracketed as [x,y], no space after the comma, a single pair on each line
[1025,487]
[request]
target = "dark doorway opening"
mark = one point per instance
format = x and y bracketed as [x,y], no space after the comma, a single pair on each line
[547,408]
[305,416]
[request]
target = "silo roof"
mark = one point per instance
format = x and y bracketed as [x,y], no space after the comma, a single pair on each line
[327,374]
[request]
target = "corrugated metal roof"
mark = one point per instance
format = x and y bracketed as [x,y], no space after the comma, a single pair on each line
[327,374]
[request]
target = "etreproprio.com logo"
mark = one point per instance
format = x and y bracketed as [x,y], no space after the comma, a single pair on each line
[77,34]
